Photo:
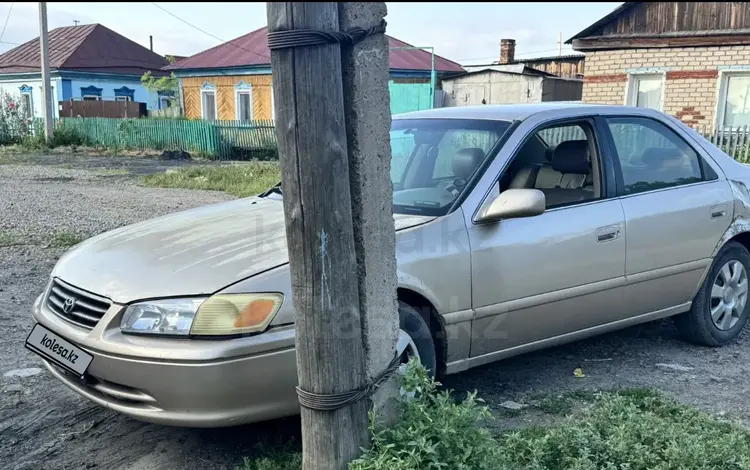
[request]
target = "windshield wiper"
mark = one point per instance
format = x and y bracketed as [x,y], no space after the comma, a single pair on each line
[274,189]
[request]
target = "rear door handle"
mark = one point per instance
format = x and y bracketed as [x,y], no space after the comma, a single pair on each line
[605,234]
[718,211]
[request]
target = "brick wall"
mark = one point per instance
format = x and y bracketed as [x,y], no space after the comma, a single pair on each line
[691,77]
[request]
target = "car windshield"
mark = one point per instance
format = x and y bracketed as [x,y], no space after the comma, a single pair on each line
[433,160]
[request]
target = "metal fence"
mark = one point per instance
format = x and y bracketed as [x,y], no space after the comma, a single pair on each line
[222,140]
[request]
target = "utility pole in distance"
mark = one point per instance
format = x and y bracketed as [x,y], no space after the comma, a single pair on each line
[332,124]
[46,98]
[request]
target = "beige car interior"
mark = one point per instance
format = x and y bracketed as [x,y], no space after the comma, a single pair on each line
[566,173]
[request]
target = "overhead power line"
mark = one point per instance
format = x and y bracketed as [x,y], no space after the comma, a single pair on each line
[207,33]
[6,20]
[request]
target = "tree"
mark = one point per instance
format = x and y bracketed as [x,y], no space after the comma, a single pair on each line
[167,86]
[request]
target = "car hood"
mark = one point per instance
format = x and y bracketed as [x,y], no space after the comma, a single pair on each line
[194,252]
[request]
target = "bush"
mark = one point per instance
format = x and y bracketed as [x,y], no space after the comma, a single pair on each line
[14,126]
[65,136]
[434,432]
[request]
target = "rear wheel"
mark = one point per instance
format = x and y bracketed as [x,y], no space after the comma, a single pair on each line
[720,309]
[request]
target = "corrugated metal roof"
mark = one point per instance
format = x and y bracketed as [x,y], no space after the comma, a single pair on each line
[252,49]
[86,48]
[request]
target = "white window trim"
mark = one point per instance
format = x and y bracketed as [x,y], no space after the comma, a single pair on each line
[96,97]
[631,90]
[240,89]
[31,101]
[122,98]
[205,89]
[722,89]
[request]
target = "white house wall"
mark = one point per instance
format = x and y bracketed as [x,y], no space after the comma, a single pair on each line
[13,87]
[493,88]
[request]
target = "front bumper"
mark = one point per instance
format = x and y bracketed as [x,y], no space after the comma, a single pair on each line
[181,382]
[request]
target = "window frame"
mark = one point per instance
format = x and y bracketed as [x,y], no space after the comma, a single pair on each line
[708,172]
[605,176]
[631,91]
[721,100]
[26,90]
[209,88]
[240,89]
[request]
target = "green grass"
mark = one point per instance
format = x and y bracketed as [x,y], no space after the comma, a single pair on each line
[562,404]
[112,172]
[12,239]
[636,429]
[241,180]
[64,239]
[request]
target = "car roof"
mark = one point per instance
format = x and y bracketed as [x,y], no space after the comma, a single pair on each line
[512,112]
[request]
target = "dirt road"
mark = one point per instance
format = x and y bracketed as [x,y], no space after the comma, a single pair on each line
[45,425]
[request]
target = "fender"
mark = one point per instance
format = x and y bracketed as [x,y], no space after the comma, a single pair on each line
[740,222]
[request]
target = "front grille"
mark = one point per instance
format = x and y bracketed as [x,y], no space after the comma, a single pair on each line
[75,305]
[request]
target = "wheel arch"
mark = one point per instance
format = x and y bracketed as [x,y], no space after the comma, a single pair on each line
[433,319]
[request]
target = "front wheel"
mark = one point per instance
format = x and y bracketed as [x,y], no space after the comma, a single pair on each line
[720,309]
[415,342]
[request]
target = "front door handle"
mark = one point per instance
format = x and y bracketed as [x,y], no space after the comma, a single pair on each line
[718,211]
[605,234]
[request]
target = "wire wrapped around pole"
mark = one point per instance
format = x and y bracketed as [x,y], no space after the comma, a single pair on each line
[313,37]
[335,401]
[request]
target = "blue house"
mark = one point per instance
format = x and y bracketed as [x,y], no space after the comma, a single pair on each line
[87,62]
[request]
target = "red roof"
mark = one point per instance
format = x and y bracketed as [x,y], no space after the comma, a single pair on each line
[84,48]
[252,49]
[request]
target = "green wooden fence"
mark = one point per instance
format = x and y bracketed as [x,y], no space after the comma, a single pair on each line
[211,139]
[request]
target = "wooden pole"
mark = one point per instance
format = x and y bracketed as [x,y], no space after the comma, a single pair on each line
[46,98]
[336,216]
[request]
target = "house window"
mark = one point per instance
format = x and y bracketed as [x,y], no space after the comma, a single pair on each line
[734,101]
[27,101]
[91,93]
[645,91]
[124,94]
[209,109]
[243,101]
[164,102]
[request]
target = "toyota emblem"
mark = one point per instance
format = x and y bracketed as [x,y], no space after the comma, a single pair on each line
[69,304]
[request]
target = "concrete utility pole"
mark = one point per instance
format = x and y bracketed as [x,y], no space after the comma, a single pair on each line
[333,121]
[46,94]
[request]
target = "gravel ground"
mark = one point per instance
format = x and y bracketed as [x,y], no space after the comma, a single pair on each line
[45,425]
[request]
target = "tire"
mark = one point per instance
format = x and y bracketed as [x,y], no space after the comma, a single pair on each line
[416,327]
[697,325]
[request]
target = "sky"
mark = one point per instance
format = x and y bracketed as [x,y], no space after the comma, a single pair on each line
[468,33]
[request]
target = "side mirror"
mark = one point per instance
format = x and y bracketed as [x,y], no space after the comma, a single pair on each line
[514,203]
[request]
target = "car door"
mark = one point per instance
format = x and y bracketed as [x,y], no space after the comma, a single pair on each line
[539,277]
[676,206]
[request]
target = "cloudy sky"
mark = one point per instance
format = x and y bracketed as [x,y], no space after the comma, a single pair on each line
[464,32]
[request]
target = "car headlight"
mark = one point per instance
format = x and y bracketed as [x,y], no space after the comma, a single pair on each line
[218,315]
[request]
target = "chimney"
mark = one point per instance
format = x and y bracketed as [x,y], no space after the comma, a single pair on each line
[151,41]
[507,50]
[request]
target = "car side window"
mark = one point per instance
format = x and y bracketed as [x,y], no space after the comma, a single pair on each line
[652,156]
[559,160]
